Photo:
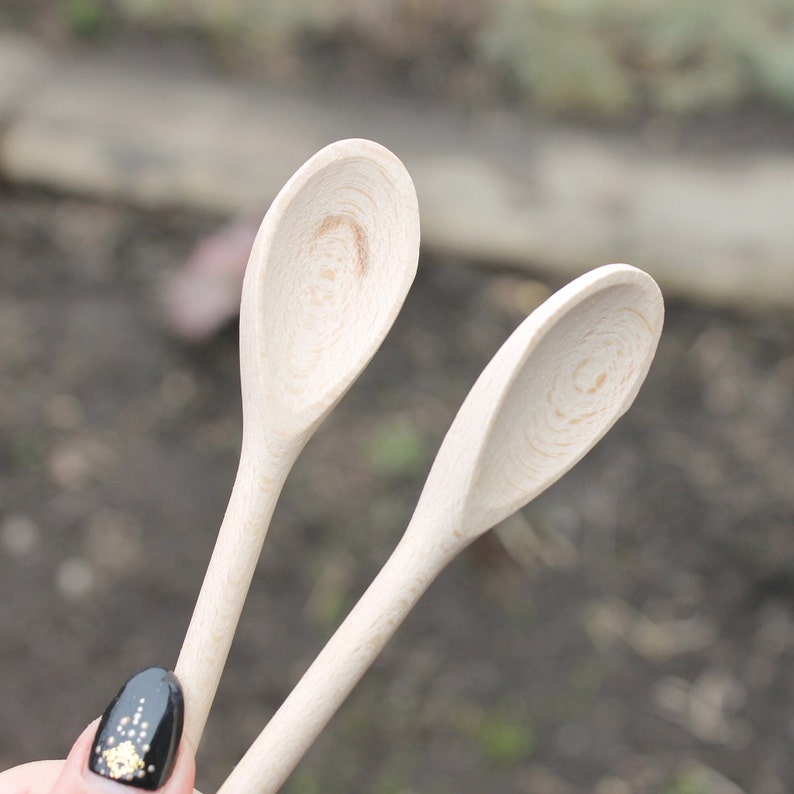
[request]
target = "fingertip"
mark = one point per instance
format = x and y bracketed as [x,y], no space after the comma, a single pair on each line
[36,777]
[72,776]
[76,778]
[139,735]
[136,744]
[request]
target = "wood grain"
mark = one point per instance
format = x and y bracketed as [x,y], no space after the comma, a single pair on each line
[328,273]
[561,380]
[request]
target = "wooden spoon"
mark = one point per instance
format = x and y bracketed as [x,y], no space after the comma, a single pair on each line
[328,273]
[561,380]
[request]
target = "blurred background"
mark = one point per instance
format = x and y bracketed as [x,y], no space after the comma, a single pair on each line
[631,631]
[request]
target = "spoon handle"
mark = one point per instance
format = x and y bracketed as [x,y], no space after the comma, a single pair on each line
[209,636]
[337,669]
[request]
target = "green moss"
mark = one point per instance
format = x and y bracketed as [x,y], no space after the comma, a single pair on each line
[689,782]
[390,783]
[305,781]
[396,448]
[506,738]
[504,733]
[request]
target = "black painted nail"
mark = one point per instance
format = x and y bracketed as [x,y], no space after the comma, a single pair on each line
[139,733]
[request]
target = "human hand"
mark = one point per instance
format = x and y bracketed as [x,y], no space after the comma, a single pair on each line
[136,744]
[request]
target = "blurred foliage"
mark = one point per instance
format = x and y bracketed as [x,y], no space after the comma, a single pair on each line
[305,781]
[273,35]
[614,59]
[85,18]
[689,782]
[504,733]
[396,448]
[618,57]
[585,679]
[506,738]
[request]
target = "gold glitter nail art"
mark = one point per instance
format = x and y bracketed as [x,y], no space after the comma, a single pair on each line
[122,760]
[138,736]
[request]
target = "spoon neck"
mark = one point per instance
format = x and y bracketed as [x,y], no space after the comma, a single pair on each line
[337,669]
[269,453]
[260,478]
[436,533]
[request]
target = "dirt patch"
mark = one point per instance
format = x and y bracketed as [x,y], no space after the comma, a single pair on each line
[632,626]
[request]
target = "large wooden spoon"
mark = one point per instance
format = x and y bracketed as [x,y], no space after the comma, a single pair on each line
[561,380]
[328,273]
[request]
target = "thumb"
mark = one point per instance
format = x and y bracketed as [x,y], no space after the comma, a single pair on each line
[77,777]
[67,777]
[137,744]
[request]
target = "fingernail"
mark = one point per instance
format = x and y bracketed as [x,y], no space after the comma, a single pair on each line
[138,736]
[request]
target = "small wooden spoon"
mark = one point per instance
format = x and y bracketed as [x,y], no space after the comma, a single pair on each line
[561,380]
[328,273]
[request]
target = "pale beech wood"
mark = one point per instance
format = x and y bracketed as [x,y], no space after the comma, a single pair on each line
[561,380]
[329,271]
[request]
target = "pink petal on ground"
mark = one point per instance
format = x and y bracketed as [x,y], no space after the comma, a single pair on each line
[205,294]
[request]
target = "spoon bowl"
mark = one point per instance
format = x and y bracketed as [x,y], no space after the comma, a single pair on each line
[551,392]
[561,380]
[330,266]
[329,270]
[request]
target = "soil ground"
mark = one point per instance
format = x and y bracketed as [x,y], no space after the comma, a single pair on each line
[630,631]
